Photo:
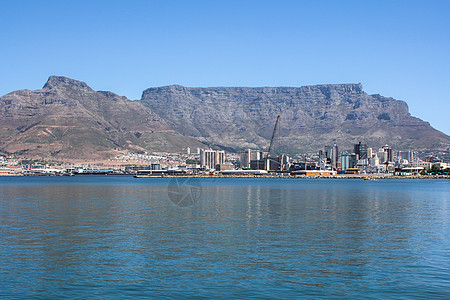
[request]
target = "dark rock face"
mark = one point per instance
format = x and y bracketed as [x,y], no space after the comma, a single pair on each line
[67,119]
[311,117]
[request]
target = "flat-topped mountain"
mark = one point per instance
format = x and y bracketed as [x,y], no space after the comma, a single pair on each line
[66,119]
[311,117]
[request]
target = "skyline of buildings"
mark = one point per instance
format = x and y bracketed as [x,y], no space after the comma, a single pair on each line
[358,157]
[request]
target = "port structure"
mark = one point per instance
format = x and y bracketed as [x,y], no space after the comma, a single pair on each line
[278,161]
[273,135]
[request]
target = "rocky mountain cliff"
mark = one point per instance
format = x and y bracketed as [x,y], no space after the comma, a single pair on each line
[67,119]
[311,117]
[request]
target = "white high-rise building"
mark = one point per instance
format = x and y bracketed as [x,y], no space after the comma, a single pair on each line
[246,156]
[209,159]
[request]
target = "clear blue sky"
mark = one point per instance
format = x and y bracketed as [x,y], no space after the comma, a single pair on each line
[399,49]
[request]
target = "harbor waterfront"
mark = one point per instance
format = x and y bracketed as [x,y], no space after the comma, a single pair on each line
[288,176]
[122,237]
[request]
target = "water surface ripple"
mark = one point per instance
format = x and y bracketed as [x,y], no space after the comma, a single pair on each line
[121,237]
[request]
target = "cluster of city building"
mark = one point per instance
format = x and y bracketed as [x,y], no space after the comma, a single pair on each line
[362,159]
[368,160]
[329,161]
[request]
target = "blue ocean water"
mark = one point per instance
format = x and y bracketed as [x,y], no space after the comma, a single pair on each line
[122,237]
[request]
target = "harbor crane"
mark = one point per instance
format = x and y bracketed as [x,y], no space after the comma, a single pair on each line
[268,157]
[273,135]
[275,127]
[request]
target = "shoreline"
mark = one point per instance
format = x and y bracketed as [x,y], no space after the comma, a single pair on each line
[268,176]
[375,177]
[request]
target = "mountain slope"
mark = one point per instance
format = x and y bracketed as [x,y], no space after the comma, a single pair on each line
[312,116]
[67,119]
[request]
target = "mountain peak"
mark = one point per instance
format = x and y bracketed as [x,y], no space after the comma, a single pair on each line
[64,82]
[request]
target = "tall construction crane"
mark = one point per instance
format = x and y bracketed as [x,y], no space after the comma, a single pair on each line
[276,124]
[273,135]
[268,159]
